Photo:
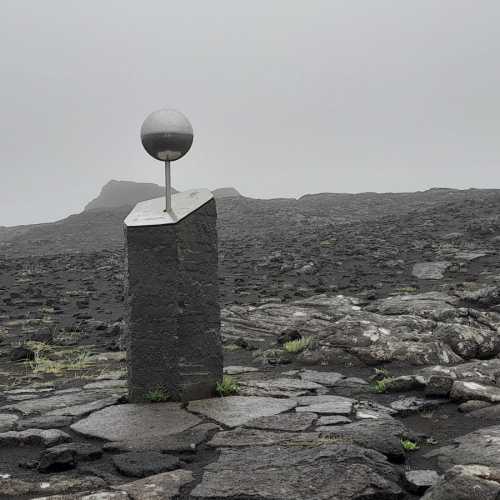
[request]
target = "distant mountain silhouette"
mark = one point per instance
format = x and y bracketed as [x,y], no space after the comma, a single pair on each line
[127,193]
[248,219]
[121,193]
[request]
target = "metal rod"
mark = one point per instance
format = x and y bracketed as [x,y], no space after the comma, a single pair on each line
[168,187]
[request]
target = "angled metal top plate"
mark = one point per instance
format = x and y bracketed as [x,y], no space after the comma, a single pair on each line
[151,212]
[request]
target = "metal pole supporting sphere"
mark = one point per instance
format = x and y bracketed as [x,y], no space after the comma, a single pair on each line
[167,135]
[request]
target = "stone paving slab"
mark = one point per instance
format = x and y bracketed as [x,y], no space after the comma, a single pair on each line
[292,422]
[84,409]
[324,378]
[299,473]
[44,405]
[238,410]
[163,486]
[124,422]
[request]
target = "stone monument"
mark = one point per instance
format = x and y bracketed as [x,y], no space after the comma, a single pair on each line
[174,345]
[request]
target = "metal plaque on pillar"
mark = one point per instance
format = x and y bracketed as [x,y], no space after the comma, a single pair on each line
[174,345]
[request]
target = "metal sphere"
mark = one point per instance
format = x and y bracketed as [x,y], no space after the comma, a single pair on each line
[166,135]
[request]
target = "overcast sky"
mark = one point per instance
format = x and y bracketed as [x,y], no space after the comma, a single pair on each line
[286,97]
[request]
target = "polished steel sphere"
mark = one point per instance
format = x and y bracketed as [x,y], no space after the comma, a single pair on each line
[166,135]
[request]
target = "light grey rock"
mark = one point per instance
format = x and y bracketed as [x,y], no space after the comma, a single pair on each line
[324,378]
[60,484]
[333,420]
[78,411]
[107,384]
[242,437]
[403,383]
[102,495]
[415,329]
[371,410]
[485,296]
[473,405]
[326,398]
[238,410]
[185,441]
[45,405]
[280,387]
[430,270]
[291,422]
[412,404]
[478,447]
[471,255]
[439,386]
[299,473]
[464,391]
[7,421]
[481,371]
[235,370]
[467,482]
[66,456]
[34,437]
[432,305]
[110,356]
[113,375]
[43,422]
[163,486]
[123,422]
[490,412]
[339,407]
[420,480]
[383,435]
[470,342]
[144,463]
[351,382]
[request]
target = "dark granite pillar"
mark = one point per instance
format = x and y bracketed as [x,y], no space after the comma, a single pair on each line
[174,342]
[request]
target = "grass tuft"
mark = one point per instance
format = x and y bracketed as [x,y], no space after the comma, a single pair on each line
[51,360]
[157,395]
[409,445]
[296,346]
[380,386]
[227,387]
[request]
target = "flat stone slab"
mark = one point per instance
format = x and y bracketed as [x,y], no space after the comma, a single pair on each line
[44,405]
[464,391]
[338,407]
[418,481]
[412,404]
[242,437]
[466,482]
[238,410]
[317,400]
[383,435]
[152,213]
[332,420]
[324,378]
[34,437]
[235,370]
[7,421]
[185,441]
[299,473]
[430,270]
[124,422]
[43,422]
[84,409]
[144,463]
[292,422]
[163,486]
[290,385]
[478,447]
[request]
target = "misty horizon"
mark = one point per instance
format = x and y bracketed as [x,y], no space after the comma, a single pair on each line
[285,99]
